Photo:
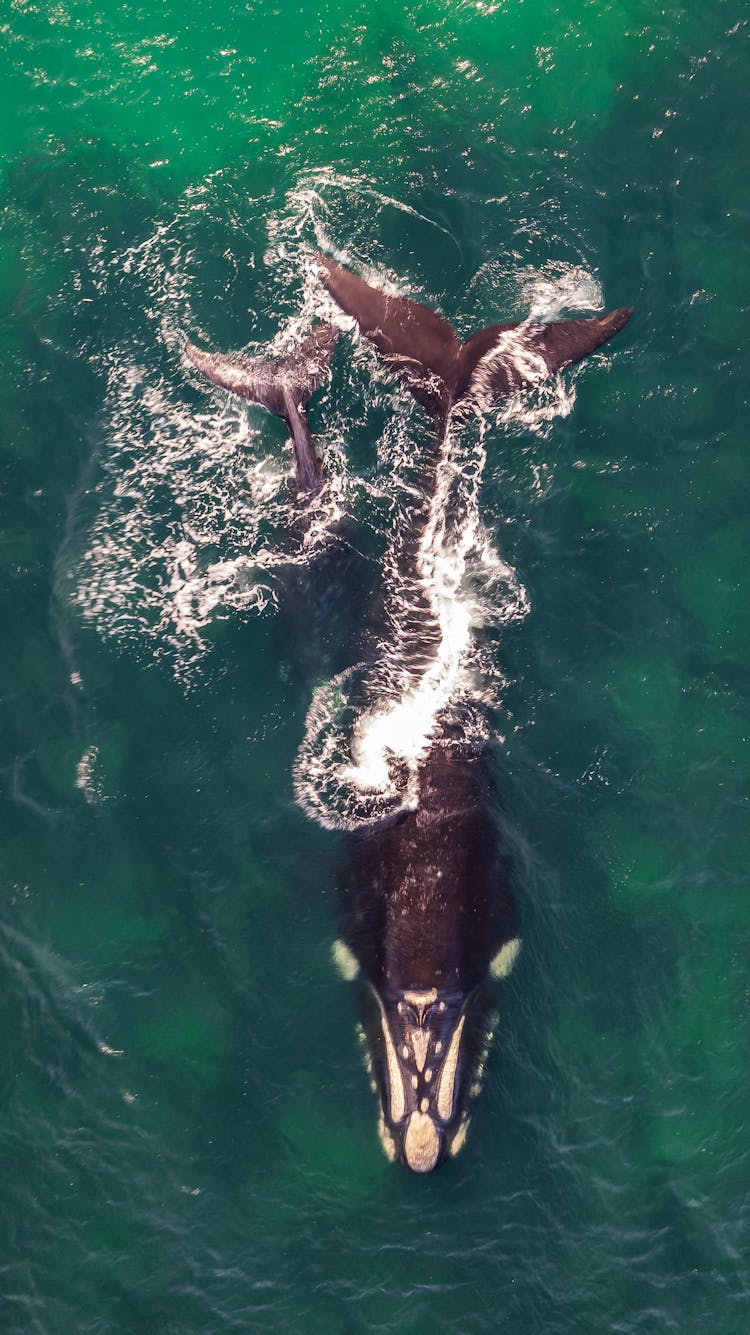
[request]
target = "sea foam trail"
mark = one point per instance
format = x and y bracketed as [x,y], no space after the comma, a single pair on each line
[367,732]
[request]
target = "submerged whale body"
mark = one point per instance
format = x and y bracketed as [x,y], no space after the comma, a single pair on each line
[284,388]
[427,915]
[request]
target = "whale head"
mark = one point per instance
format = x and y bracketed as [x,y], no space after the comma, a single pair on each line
[426,1048]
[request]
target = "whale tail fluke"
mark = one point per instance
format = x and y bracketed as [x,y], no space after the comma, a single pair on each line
[423,349]
[284,388]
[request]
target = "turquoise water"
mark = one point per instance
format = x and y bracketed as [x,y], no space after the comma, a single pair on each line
[188,1136]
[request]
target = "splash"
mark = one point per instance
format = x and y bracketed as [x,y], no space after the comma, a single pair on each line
[548,293]
[367,732]
[191,501]
[320,205]
[88,779]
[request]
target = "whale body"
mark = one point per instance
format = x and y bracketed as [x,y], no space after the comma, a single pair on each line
[427,912]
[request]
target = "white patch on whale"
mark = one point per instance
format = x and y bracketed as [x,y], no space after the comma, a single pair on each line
[344,960]
[505,958]
[421,1142]
[447,1082]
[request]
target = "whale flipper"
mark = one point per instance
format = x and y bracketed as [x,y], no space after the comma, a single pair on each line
[284,388]
[424,350]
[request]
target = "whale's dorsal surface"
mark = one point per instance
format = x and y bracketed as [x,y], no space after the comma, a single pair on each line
[428,918]
[284,388]
[424,350]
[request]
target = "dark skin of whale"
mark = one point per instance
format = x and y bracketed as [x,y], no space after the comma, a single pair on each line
[424,350]
[284,388]
[422,908]
[427,904]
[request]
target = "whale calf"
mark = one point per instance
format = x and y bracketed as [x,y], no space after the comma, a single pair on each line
[284,387]
[427,914]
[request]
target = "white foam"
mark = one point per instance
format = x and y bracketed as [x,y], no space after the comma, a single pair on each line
[367,732]
[555,289]
[88,780]
[192,506]
[319,208]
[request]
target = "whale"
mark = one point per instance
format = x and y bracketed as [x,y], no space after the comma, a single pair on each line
[428,923]
[282,387]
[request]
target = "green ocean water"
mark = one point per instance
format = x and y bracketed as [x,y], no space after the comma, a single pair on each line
[187,1134]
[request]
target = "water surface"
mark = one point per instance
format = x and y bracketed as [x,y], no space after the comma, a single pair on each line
[188,1135]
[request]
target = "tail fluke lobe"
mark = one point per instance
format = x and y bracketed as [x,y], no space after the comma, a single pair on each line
[503,358]
[419,345]
[569,341]
[251,378]
[284,388]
